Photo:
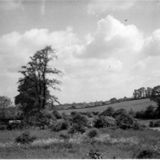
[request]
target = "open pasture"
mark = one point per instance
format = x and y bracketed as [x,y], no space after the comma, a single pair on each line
[136,105]
[110,143]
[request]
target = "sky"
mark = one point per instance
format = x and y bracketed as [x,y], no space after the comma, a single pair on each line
[105,48]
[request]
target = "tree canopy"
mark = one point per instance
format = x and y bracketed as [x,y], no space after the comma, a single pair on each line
[38,77]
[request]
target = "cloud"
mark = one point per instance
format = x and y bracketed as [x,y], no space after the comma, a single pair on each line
[111,62]
[16,48]
[98,7]
[152,44]
[43,7]
[11,4]
[112,38]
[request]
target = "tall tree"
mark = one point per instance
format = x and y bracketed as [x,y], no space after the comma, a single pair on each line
[4,103]
[38,77]
[156,97]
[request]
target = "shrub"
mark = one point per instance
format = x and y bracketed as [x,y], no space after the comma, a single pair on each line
[64,136]
[76,128]
[15,124]
[108,112]
[143,154]
[25,138]
[151,124]
[104,121]
[56,114]
[94,154]
[59,125]
[88,114]
[79,119]
[126,121]
[154,123]
[3,126]
[92,133]
[95,113]
[119,112]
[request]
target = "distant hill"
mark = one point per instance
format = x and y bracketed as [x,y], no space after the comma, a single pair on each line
[136,105]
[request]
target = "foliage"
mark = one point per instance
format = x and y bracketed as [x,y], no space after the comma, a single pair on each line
[64,136]
[119,112]
[34,93]
[108,112]
[59,125]
[149,113]
[154,123]
[94,154]
[78,123]
[145,154]
[79,119]
[15,124]
[104,121]
[4,103]
[56,114]
[25,138]
[92,133]
[126,121]
[76,128]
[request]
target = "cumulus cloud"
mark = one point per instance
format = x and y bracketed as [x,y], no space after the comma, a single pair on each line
[152,44]
[112,38]
[115,57]
[98,7]
[11,4]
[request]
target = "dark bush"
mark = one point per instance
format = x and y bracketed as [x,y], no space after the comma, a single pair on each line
[126,121]
[144,154]
[104,121]
[59,125]
[94,154]
[64,136]
[25,138]
[95,113]
[89,114]
[92,133]
[15,124]
[119,112]
[79,119]
[154,123]
[76,128]
[108,112]
[3,126]
[151,124]
[56,114]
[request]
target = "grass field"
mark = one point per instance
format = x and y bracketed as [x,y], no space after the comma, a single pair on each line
[110,143]
[136,105]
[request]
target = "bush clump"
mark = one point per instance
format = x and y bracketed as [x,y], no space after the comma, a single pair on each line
[59,125]
[92,133]
[25,138]
[104,121]
[76,128]
[154,123]
[56,114]
[144,154]
[78,123]
[108,112]
[126,121]
[94,154]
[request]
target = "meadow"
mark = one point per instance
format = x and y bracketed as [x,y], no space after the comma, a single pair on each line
[110,143]
[136,105]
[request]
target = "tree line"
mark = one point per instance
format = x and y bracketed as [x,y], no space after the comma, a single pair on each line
[146,92]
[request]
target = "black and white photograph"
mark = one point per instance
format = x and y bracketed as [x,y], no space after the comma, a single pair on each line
[79,79]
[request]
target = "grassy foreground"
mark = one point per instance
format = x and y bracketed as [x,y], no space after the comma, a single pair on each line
[111,143]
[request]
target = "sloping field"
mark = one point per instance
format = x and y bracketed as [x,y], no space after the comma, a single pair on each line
[136,105]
